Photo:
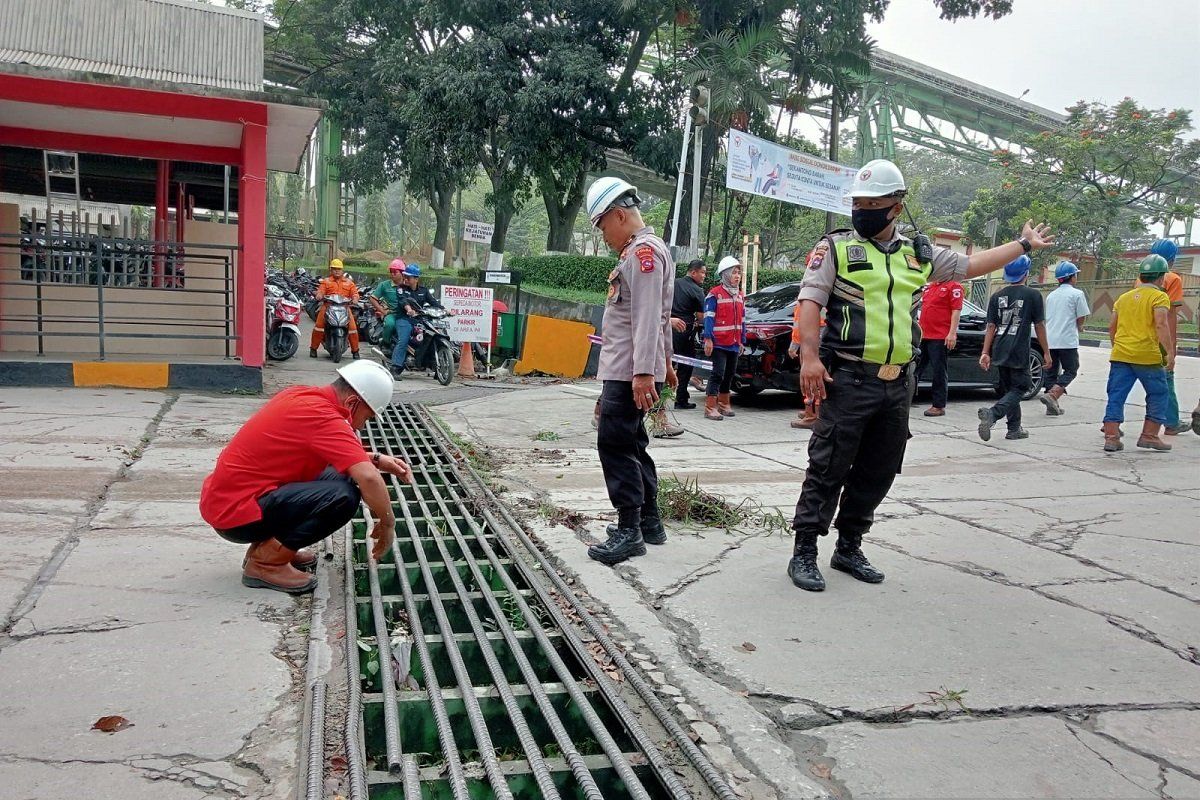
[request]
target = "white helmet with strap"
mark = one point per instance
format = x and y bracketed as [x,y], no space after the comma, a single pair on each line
[728,263]
[878,178]
[373,383]
[605,192]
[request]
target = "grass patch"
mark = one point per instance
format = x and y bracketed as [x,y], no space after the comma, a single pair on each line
[546,436]
[685,501]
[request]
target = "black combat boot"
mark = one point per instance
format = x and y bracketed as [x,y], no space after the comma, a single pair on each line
[652,530]
[848,557]
[803,569]
[623,543]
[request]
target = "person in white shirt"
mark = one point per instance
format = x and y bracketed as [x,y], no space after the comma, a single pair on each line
[1066,309]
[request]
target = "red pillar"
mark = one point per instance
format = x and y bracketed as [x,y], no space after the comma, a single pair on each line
[252,245]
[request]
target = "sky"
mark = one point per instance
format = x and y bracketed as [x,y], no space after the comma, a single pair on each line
[1062,51]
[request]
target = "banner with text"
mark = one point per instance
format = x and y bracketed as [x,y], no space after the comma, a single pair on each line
[771,170]
[470,310]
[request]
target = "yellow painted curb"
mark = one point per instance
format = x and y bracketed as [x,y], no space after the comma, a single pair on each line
[132,376]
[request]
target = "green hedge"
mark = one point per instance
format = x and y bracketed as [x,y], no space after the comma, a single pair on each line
[590,273]
[586,273]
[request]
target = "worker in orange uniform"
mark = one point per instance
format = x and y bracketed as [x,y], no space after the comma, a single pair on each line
[338,282]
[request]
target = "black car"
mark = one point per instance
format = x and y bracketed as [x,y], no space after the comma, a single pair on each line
[767,365]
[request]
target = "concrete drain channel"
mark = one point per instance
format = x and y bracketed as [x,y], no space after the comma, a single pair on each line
[474,671]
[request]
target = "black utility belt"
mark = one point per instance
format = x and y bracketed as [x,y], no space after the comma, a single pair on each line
[866,369]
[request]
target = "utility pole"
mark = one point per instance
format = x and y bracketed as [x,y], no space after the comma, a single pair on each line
[700,111]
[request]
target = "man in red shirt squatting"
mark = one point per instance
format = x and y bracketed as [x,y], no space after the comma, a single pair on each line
[296,472]
[941,306]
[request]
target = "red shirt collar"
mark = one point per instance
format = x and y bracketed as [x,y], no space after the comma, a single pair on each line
[329,394]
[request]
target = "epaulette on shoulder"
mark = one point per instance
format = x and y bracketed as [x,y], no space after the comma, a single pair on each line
[840,233]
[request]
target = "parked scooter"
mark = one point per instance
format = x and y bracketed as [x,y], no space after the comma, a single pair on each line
[283,323]
[337,325]
[370,324]
[429,348]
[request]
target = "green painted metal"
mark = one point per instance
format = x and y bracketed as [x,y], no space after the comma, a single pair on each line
[329,179]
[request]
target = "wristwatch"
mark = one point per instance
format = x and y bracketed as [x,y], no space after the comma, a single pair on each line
[1025,245]
[375,459]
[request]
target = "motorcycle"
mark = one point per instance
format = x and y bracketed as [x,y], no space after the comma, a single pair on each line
[283,323]
[337,325]
[370,324]
[429,348]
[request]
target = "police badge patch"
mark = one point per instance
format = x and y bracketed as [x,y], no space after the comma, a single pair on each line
[613,281]
[817,257]
[645,257]
[856,252]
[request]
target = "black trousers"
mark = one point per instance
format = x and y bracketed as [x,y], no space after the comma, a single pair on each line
[856,449]
[684,344]
[724,368]
[629,472]
[934,354]
[1014,382]
[301,514]
[1064,369]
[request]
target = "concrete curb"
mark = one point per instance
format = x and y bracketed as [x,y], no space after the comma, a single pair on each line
[132,375]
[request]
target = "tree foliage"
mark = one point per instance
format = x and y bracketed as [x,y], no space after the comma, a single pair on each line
[1099,179]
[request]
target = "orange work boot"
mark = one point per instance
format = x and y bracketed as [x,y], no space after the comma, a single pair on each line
[710,408]
[1112,437]
[302,560]
[1149,438]
[724,406]
[805,420]
[269,566]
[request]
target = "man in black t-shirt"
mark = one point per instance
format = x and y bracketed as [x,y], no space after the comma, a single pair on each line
[686,308]
[1011,312]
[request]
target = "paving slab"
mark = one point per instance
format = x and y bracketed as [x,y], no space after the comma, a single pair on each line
[30,780]
[1156,563]
[955,543]
[1171,735]
[185,690]
[1143,609]
[926,627]
[1042,757]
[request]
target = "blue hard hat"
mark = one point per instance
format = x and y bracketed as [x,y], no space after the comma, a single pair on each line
[412,271]
[1016,270]
[1165,248]
[1064,270]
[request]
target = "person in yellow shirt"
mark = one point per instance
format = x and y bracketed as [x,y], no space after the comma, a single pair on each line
[1141,347]
[1173,286]
[342,284]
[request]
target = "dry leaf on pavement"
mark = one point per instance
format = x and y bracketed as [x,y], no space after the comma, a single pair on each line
[111,724]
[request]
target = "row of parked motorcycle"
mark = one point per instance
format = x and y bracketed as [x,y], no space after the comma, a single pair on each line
[288,294]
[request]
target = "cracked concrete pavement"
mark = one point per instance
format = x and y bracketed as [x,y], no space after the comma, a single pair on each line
[1038,634]
[116,599]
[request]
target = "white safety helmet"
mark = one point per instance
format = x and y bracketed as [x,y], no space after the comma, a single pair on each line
[878,178]
[728,263]
[604,193]
[373,383]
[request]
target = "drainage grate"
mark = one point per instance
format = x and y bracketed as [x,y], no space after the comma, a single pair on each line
[473,683]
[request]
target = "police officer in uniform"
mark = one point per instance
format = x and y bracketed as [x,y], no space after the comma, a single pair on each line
[635,361]
[861,379]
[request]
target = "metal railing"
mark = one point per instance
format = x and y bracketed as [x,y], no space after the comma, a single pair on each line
[112,288]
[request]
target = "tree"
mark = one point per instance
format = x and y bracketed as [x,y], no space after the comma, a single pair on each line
[1103,175]
[947,184]
[375,225]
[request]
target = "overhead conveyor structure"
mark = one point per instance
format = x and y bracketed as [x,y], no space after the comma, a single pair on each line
[478,671]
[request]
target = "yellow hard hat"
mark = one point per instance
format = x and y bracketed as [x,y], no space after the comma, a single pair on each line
[336,264]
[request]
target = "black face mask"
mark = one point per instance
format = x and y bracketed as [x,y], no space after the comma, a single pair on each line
[869,222]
